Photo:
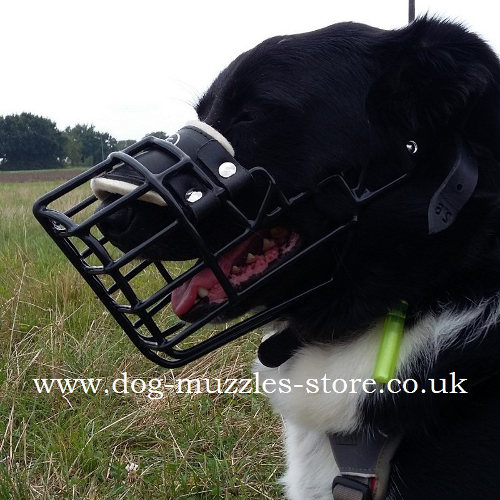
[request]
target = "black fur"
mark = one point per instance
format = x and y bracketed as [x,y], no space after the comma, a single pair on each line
[349,98]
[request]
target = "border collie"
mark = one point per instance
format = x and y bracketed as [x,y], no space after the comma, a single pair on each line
[377,104]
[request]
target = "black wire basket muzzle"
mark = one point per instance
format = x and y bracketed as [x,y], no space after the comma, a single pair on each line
[195,177]
[138,291]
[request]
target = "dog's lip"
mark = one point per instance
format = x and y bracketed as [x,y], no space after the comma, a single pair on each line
[242,265]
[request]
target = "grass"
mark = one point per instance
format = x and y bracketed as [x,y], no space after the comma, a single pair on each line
[77,446]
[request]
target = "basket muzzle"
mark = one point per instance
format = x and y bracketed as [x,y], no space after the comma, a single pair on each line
[188,199]
[183,198]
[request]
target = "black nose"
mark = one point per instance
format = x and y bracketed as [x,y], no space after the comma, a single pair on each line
[134,222]
[117,222]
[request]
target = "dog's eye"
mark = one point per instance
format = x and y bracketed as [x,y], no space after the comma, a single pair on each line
[244,117]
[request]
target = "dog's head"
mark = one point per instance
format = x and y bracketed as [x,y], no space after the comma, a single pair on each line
[372,105]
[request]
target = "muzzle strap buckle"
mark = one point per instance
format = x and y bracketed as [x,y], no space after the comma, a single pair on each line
[364,461]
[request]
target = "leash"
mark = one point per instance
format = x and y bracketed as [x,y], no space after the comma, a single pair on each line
[411,11]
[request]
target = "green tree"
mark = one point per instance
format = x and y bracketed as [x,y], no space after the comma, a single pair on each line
[159,134]
[124,144]
[84,145]
[28,141]
[72,147]
[108,144]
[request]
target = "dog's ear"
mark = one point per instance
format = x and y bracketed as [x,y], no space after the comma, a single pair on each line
[433,73]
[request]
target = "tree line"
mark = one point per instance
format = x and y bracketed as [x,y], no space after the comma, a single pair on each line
[29,142]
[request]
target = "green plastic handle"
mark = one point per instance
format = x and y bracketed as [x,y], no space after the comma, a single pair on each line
[392,333]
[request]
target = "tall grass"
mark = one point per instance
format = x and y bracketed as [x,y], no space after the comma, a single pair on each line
[187,446]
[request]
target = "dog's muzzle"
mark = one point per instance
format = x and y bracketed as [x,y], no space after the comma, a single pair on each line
[182,199]
[188,199]
[194,178]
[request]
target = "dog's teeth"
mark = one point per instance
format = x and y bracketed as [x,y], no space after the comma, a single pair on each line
[236,270]
[250,258]
[279,233]
[267,244]
[202,292]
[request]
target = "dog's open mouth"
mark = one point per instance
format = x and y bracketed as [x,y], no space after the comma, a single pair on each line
[242,265]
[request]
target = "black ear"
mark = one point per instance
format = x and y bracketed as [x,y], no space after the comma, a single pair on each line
[432,75]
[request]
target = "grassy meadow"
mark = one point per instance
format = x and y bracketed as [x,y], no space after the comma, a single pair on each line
[77,446]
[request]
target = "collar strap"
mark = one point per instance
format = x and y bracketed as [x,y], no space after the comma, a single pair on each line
[277,348]
[364,462]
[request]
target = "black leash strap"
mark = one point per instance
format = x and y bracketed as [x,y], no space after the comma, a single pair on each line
[411,11]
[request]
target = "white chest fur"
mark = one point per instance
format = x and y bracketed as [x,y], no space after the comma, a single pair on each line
[309,413]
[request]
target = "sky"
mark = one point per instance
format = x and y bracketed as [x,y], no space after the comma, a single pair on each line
[131,67]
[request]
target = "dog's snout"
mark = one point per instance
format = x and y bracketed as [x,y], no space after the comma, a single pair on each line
[118,221]
[134,222]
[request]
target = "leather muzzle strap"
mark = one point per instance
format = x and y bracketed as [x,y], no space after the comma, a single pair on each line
[364,462]
[210,180]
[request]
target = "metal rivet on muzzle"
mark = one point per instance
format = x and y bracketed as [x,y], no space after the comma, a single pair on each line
[227,169]
[193,195]
[412,147]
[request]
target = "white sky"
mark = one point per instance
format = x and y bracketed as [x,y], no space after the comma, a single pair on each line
[131,67]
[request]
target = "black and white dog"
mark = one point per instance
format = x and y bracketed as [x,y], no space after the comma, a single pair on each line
[352,98]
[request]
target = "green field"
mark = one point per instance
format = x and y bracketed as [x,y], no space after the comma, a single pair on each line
[187,446]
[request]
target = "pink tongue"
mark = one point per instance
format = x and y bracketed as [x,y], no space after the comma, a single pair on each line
[184,297]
